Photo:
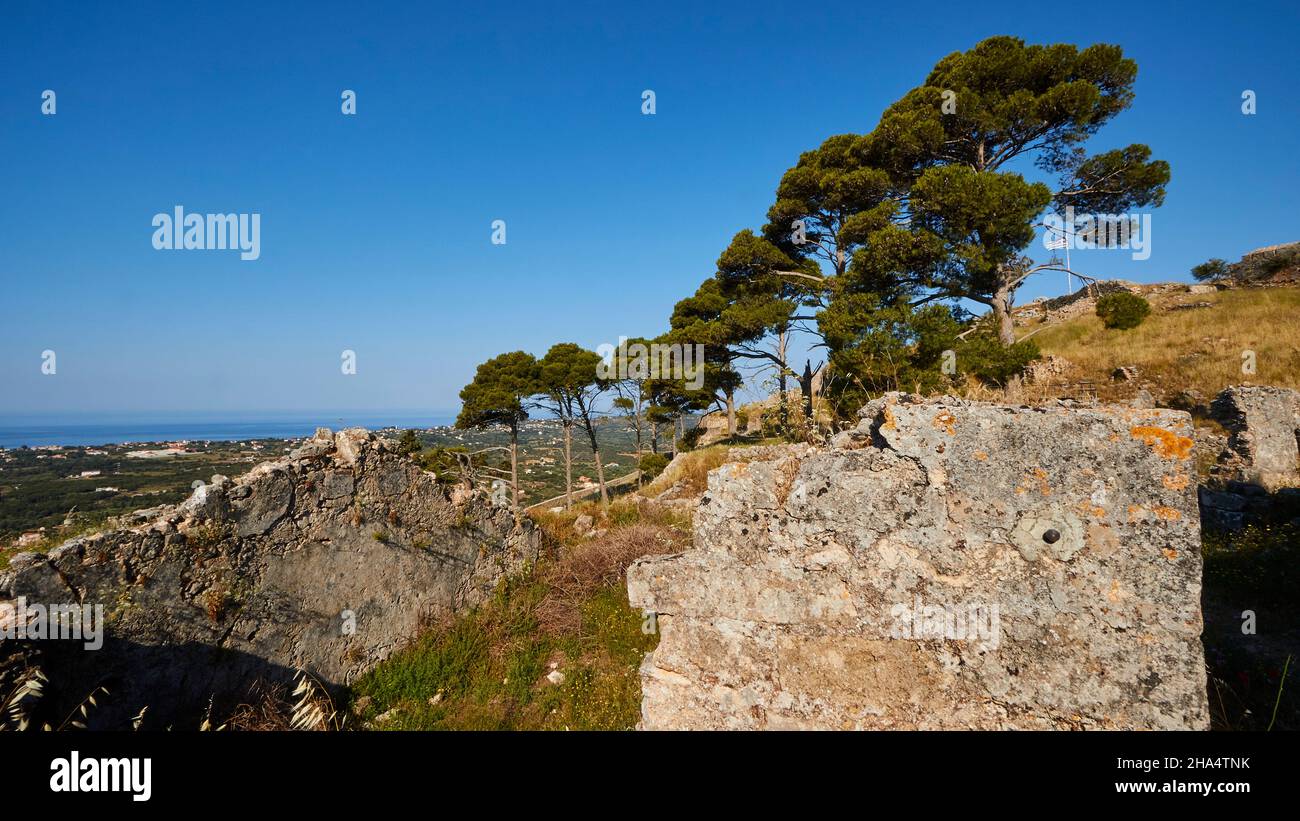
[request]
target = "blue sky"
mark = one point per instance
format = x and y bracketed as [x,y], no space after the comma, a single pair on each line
[376,228]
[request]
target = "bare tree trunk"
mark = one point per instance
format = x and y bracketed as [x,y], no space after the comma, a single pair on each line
[568,464]
[1002,315]
[731,413]
[805,387]
[780,354]
[600,467]
[636,422]
[654,436]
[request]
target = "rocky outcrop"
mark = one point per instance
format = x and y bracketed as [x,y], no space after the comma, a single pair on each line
[1256,479]
[1274,264]
[944,565]
[1263,425]
[325,560]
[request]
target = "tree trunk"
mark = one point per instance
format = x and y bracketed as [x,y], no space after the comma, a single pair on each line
[784,408]
[731,413]
[568,464]
[654,437]
[805,387]
[636,422]
[1002,315]
[600,467]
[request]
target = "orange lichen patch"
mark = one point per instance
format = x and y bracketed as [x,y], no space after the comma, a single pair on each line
[891,421]
[1168,514]
[1043,486]
[1165,443]
[1088,509]
[946,422]
[787,470]
[1170,553]
[981,455]
[1114,593]
[1176,482]
[1135,512]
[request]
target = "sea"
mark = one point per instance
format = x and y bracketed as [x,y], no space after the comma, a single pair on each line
[125,428]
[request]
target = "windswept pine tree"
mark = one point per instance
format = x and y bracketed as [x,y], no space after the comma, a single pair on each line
[569,376]
[962,220]
[501,394]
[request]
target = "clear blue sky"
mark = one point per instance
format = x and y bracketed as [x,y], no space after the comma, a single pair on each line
[376,228]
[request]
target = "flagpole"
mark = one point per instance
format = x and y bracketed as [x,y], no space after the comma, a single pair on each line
[1069,282]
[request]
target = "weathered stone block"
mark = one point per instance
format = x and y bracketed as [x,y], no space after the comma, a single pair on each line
[946,565]
[1262,423]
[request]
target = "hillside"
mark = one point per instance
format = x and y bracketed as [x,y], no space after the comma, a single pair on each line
[1189,348]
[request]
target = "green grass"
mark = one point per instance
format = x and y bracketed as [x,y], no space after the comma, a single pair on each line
[1252,676]
[490,667]
[1261,561]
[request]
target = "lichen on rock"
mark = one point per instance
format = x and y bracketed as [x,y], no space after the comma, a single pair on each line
[946,564]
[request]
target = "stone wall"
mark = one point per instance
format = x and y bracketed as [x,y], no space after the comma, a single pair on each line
[257,577]
[944,565]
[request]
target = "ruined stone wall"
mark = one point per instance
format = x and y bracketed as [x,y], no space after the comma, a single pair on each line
[1263,425]
[1256,477]
[944,565]
[256,577]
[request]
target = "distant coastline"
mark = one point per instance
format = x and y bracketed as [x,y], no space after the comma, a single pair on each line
[80,430]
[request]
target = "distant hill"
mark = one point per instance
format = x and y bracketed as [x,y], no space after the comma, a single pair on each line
[1192,346]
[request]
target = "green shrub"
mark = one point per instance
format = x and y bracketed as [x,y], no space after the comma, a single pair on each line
[993,363]
[409,444]
[1212,269]
[652,464]
[1122,310]
[691,439]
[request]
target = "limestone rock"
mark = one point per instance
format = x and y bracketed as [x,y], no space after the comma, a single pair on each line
[1263,424]
[275,571]
[945,565]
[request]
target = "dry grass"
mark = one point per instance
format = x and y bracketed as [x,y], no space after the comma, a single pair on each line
[692,468]
[560,531]
[267,709]
[583,569]
[1198,348]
